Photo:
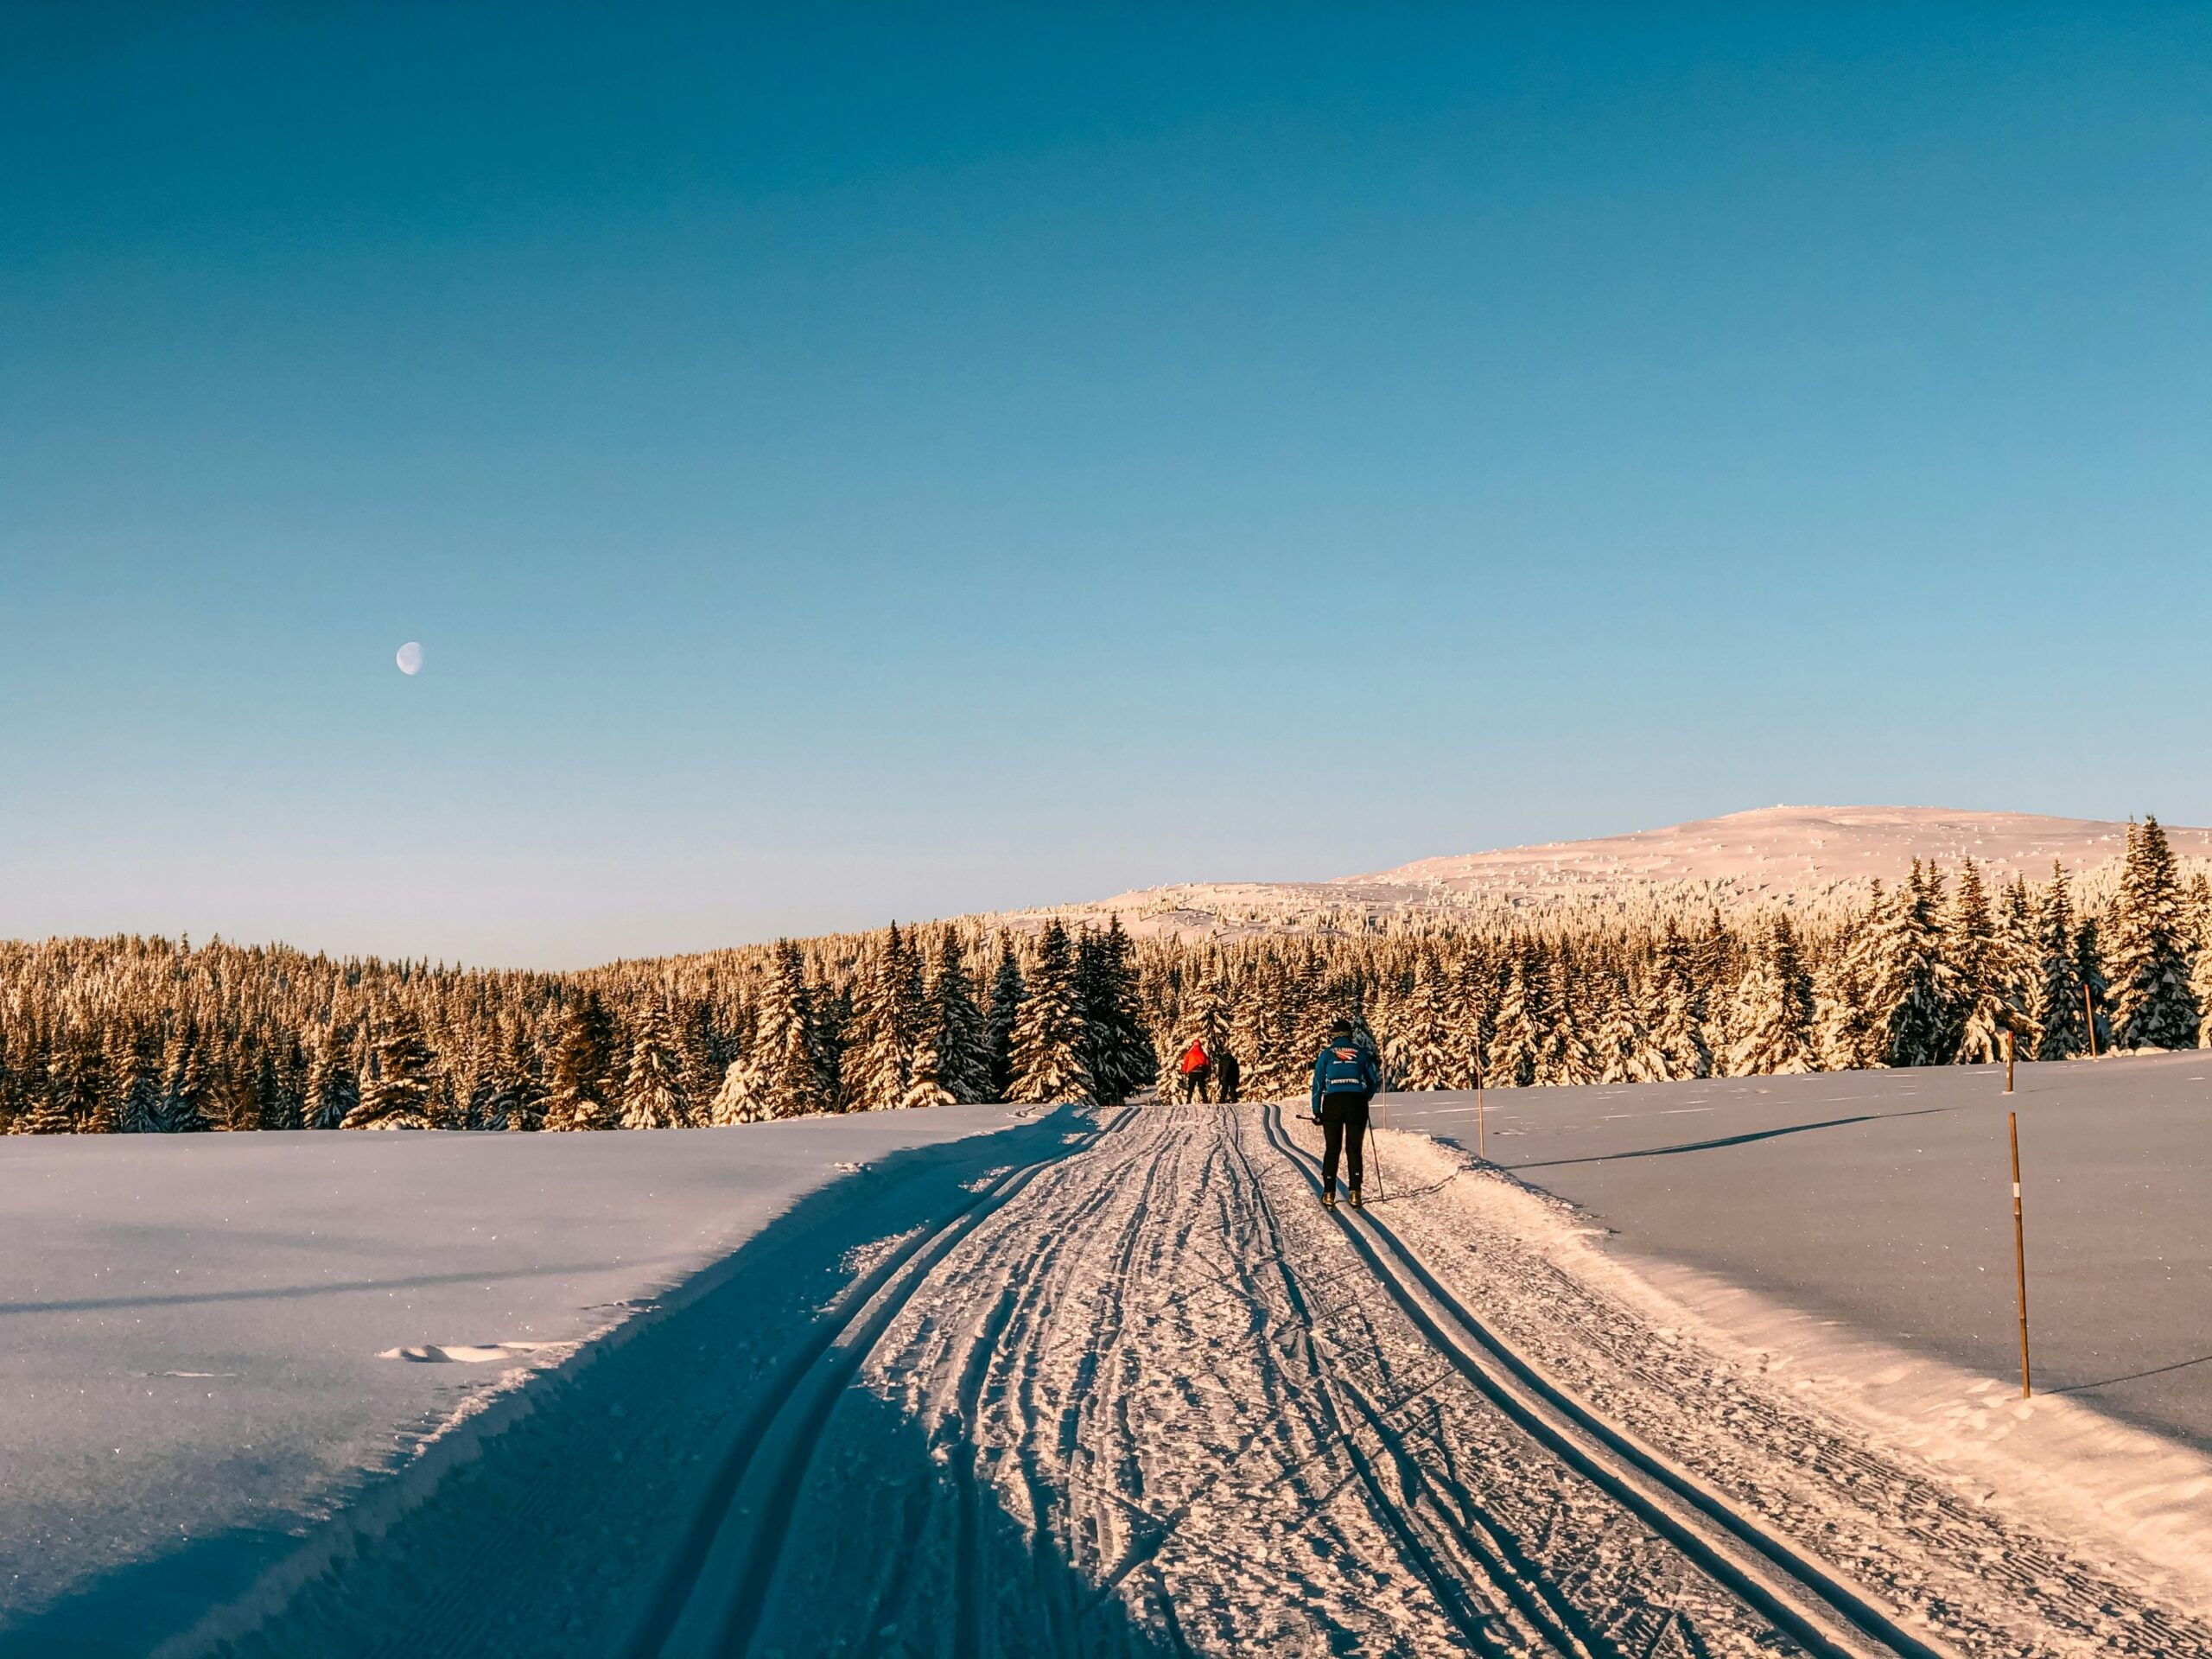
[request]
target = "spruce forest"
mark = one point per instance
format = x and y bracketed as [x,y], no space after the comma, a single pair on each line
[141,1035]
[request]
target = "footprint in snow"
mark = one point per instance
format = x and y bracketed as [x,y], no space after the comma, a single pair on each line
[461,1353]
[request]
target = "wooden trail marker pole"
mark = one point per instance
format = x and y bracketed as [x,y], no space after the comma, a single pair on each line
[2008,1061]
[1482,1138]
[2019,1251]
[2090,1010]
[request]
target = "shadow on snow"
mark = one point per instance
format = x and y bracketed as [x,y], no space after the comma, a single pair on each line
[556,1536]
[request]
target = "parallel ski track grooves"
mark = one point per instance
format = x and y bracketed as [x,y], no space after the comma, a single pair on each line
[677,1621]
[1594,1444]
[1541,1622]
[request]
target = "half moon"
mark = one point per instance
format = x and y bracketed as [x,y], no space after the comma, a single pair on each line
[410,657]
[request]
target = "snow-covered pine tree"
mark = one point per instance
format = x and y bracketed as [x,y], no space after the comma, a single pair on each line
[93,1105]
[1471,1009]
[1519,1042]
[53,1110]
[1774,1015]
[880,1056]
[284,1083]
[1417,1055]
[699,1053]
[786,1052]
[2153,1006]
[1971,945]
[1916,997]
[238,1088]
[1613,1044]
[454,1078]
[2089,967]
[137,1069]
[964,1048]
[1271,1018]
[1845,1038]
[1679,1031]
[362,1063]
[910,1007]
[520,1095]
[10,1110]
[1566,1058]
[1715,963]
[1545,1012]
[1008,987]
[397,1096]
[2200,983]
[1253,1024]
[830,1035]
[2197,908]
[2017,950]
[741,1099]
[177,1110]
[1647,1059]
[653,1089]
[1047,1046]
[1117,1054]
[2062,1022]
[926,1083]
[576,1086]
[1382,1001]
[45,1091]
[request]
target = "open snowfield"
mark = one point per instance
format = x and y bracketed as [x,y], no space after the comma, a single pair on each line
[191,1372]
[1114,1383]
[1883,1199]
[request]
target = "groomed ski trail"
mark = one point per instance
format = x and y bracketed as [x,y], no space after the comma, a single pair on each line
[1159,1367]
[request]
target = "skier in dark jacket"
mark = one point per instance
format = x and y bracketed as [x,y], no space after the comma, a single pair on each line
[1229,1077]
[1345,1078]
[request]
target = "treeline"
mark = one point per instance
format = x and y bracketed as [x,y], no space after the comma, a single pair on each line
[138,1035]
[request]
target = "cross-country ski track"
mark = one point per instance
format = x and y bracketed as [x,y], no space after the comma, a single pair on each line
[1120,1386]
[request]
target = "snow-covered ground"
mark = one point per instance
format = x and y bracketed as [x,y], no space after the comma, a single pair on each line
[212,1341]
[1883,1199]
[1120,1386]
[1115,1384]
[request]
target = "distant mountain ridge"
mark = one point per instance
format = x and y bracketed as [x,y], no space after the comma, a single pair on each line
[1795,856]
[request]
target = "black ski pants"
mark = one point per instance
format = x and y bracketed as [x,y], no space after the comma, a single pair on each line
[1344,1130]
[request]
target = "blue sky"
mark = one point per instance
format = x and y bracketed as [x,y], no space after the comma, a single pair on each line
[879,465]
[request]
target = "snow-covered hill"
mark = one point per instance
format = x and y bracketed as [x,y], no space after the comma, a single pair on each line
[1795,855]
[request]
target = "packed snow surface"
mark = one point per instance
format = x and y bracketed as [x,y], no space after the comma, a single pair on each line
[209,1338]
[1118,1385]
[1794,853]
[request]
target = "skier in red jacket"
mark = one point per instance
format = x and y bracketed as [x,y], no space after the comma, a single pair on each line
[1197,1067]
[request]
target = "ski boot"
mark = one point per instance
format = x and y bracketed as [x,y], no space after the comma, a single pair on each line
[1356,1202]
[1329,1199]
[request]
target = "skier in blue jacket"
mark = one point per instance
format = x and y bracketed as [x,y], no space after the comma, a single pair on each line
[1345,1078]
